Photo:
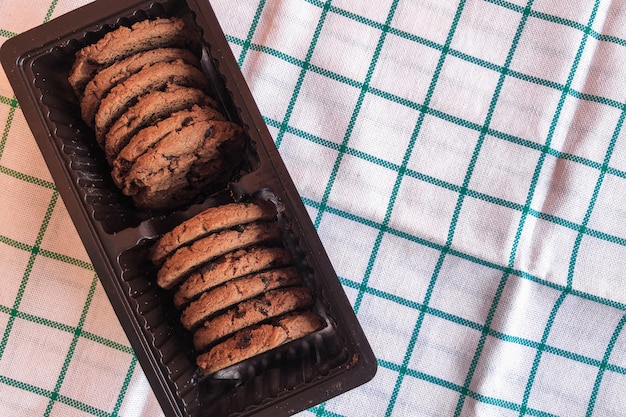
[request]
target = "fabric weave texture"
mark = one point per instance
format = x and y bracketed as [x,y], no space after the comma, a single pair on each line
[464,163]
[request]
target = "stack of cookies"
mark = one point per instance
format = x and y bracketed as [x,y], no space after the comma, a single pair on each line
[234,283]
[142,91]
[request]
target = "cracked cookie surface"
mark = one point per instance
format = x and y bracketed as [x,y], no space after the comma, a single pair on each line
[185,259]
[232,265]
[126,41]
[253,341]
[268,305]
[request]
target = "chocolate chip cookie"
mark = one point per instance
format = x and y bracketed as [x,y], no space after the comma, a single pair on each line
[232,265]
[125,41]
[236,291]
[102,83]
[268,305]
[187,258]
[209,221]
[255,340]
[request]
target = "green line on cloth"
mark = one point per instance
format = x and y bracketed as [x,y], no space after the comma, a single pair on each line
[476,127]
[465,256]
[400,171]
[53,5]
[507,271]
[603,367]
[26,276]
[23,386]
[470,258]
[15,244]
[79,405]
[9,101]
[72,349]
[66,259]
[107,342]
[124,389]
[7,127]
[459,389]
[27,178]
[38,320]
[482,328]
[484,130]
[320,410]
[418,324]
[46,253]
[65,328]
[426,42]
[495,67]
[540,350]
[54,396]
[303,70]
[520,228]
[580,234]
[49,394]
[251,31]
[462,195]
[565,22]
[7,34]
[353,118]
[343,148]
[473,126]
[553,153]
[605,165]
[444,116]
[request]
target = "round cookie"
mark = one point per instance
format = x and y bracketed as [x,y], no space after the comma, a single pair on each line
[268,305]
[148,110]
[149,136]
[186,187]
[187,258]
[232,265]
[124,41]
[236,291]
[253,341]
[150,78]
[102,83]
[195,138]
[209,221]
[174,161]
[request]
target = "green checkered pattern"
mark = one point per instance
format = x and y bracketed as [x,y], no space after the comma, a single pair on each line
[464,163]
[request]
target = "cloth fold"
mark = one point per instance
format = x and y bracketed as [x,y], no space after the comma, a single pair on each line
[463,163]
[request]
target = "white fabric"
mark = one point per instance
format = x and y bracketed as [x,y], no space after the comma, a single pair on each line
[464,165]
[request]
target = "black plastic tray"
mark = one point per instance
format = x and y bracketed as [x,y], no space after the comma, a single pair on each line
[117,236]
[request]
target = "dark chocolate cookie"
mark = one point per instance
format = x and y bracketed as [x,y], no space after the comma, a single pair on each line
[187,258]
[232,265]
[189,159]
[265,306]
[151,78]
[210,221]
[149,136]
[102,83]
[255,340]
[148,110]
[236,291]
[124,41]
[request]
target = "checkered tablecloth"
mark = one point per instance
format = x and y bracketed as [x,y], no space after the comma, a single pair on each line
[465,165]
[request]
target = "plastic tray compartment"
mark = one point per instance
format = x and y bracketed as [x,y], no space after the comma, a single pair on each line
[117,235]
